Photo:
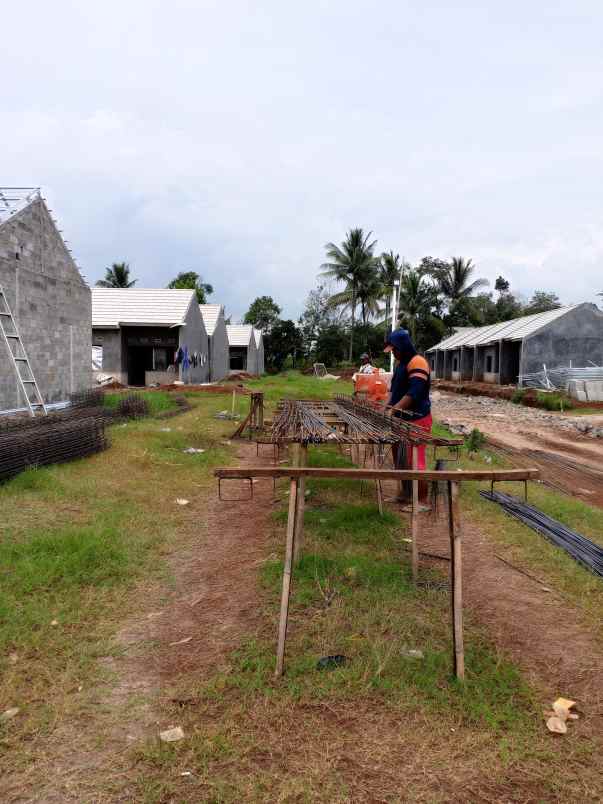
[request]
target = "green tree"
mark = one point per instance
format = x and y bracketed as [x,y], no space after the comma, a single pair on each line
[263,313]
[501,285]
[189,280]
[416,301]
[330,346]
[283,341]
[353,263]
[508,306]
[454,281]
[117,276]
[317,315]
[541,302]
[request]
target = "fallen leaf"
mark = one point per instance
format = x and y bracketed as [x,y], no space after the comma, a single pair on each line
[54,622]
[10,713]
[171,735]
[556,725]
[181,641]
[560,712]
[181,501]
[564,702]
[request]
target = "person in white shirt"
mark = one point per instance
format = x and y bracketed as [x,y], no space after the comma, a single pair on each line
[365,365]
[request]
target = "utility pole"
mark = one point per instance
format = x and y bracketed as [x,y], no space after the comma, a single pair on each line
[395,300]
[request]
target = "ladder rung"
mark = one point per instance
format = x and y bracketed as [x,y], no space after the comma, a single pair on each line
[8,315]
[20,359]
[16,337]
[31,381]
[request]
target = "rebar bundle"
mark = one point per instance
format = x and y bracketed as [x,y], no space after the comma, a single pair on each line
[296,422]
[56,441]
[399,429]
[581,549]
[345,421]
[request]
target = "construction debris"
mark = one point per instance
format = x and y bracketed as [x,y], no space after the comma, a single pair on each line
[557,719]
[171,735]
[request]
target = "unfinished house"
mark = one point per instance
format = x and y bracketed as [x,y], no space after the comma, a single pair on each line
[149,336]
[215,326]
[49,301]
[259,345]
[242,348]
[502,353]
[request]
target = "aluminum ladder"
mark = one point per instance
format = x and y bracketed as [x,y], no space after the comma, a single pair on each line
[18,355]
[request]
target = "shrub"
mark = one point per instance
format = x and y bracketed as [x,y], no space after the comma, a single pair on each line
[475,441]
[553,401]
[518,396]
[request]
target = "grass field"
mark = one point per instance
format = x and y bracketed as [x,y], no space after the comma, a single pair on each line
[86,545]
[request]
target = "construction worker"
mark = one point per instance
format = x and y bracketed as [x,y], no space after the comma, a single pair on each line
[365,365]
[409,393]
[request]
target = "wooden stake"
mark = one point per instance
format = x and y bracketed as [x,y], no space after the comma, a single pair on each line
[456,578]
[287,572]
[414,522]
[378,484]
[302,460]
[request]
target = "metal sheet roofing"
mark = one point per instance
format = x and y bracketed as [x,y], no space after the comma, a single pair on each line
[158,307]
[514,330]
[211,313]
[239,334]
[258,335]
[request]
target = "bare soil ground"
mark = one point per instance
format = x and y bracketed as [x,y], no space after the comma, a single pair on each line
[547,638]
[568,459]
[214,602]
[211,606]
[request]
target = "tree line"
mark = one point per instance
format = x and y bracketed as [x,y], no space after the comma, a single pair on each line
[434,297]
[349,312]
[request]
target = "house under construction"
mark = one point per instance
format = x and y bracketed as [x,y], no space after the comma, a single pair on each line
[48,301]
[504,352]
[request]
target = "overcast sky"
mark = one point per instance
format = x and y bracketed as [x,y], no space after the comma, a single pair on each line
[236,138]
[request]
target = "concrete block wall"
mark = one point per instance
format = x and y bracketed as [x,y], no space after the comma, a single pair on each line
[194,336]
[113,356]
[576,336]
[51,304]
[219,353]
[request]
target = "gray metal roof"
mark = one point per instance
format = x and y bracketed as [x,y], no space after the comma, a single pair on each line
[155,307]
[211,313]
[239,334]
[515,330]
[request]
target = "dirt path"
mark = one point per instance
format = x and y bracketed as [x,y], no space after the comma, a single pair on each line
[569,460]
[210,606]
[543,634]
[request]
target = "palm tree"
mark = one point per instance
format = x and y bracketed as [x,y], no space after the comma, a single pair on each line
[117,276]
[453,281]
[415,300]
[353,263]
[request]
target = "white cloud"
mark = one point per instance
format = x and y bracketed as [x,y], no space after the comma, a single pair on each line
[236,139]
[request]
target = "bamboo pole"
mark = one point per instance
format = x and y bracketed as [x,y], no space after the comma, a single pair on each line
[286,592]
[456,578]
[378,484]
[302,460]
[497,475]
[414,521]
